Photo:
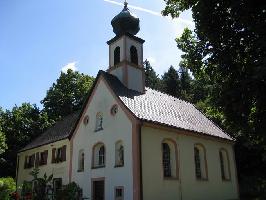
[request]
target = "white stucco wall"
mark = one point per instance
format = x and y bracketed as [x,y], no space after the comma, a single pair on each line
[186,187]
[115,128]
[118,72]
[135,79]
[59,170]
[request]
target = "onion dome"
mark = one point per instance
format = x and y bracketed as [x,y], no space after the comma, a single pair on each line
[125,22]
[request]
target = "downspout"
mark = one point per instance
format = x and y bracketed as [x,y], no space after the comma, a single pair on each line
[180,177]
[140,157]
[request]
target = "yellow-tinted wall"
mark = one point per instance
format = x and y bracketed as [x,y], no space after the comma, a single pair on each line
[186,187]
[59,170]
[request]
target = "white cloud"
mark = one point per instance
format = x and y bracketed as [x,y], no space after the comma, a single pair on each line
[71,65]
[181,20]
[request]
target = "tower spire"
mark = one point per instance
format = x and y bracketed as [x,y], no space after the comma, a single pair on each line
[126,51]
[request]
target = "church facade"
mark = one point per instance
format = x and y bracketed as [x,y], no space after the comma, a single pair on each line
[129,142]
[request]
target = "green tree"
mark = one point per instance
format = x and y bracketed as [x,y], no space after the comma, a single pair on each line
[171,82]
[7,186]
[185,84]
[152,79]
[20,125]
[67,94]
[228,50]
[3,145]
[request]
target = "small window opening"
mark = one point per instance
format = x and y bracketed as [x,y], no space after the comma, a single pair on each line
[134,55]
[117,55]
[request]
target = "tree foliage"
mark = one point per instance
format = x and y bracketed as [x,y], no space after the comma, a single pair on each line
[71,191]
[171,82]
[20,125]
[7,186]
[24,123]
[3,145]
[67,94]
[227,52]
[152,79]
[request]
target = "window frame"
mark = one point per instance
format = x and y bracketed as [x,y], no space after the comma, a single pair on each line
[117,56]
[225,178]
[95,160]
[174,159]
[59,154]
[134,57]
[29,161]
[101,156]
[167,167]
[81,161]
[119,188]
[43,156]
[204,177]
[114,110]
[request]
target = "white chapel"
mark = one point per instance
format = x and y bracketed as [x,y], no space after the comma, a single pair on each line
[129,142]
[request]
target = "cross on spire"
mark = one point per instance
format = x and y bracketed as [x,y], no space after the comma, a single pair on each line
[125,3]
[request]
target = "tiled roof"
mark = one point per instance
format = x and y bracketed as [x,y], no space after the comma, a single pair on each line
[160,108]
[152,106]
[61,130]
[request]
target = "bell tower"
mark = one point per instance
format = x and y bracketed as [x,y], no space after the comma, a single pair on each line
[126,51]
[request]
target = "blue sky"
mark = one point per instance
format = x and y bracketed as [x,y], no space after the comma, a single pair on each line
[40,38]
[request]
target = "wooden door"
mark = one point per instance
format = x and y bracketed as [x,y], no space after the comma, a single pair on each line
[98,190]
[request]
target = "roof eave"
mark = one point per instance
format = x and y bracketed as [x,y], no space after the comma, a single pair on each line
[196,133]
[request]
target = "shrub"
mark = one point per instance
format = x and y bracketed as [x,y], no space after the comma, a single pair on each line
[7,186]
[71,191]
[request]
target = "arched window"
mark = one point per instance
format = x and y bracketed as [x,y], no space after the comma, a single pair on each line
[98,155]
[119,154]
[200,162]
[101,156]
[169,159]
[81,158]
[117,55]
[224,163]
[134,55]
[99,122]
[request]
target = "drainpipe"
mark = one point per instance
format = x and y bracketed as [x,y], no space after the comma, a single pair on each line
[140,157]
[180,177]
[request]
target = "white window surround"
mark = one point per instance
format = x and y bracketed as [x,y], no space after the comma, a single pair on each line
[225,165]
[98,155]
[169,159]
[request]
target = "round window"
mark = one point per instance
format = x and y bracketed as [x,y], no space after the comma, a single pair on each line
[114,110]
[86,119]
